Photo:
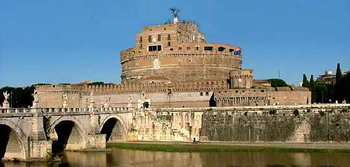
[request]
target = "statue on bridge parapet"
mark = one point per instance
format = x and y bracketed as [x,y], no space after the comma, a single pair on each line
[144,102]
[36,100]
[6,104]
[91,105]
[105,104]
[65,100]
[129,101]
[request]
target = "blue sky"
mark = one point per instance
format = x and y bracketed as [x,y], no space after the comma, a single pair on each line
[69,41]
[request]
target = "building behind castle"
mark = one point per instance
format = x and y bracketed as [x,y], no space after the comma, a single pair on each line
[172,65]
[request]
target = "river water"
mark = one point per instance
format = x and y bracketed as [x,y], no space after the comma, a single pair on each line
[131,158]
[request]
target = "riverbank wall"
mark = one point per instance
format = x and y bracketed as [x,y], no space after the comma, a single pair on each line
[299,124]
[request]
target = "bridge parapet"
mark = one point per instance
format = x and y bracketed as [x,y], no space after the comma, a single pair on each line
[65,110]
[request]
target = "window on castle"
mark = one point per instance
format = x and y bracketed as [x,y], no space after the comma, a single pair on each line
[237,52]
[188,48]
[201,94]
[149,38]
[140,39]
[197,48]
[221,49]
[159,37]
[169,44]
[169,38]
[155,48]
[208,48]
[231,50]
[207,93]
[171,49]
[180,48]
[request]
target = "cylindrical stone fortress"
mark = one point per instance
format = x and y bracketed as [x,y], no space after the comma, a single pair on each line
[177,52]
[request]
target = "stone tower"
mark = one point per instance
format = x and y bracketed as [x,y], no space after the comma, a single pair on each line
[177,52]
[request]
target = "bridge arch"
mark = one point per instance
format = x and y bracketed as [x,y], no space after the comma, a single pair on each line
[13,143]
[68,133]
[114,128]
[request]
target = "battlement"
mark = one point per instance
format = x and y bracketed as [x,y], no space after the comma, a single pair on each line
[137,88]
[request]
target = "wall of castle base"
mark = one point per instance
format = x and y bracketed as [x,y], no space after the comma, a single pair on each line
[290,97]
[248,125]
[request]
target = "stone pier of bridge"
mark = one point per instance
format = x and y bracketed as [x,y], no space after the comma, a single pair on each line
[30,134]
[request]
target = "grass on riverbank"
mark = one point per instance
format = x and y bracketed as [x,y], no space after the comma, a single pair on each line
[218,148]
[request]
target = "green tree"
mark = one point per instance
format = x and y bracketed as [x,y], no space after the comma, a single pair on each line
[305,81]
[320,90]
[339,86]
[312,80]
[346,80]
[312,89]
[277,82]
[338,75]
[96,83]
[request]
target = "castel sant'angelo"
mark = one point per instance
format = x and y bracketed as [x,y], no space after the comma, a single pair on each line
[173,66]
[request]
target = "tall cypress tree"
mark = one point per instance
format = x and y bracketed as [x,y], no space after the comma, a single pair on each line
[312,80]
[339,87]
[312,89]
[305,81]
[338,75]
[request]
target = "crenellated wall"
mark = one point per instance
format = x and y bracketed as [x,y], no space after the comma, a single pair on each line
[118,95]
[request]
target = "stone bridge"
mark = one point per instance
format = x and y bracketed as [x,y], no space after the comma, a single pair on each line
[35,133]
[38,133]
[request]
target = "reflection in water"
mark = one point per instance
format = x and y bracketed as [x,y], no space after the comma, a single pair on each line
[128,158]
